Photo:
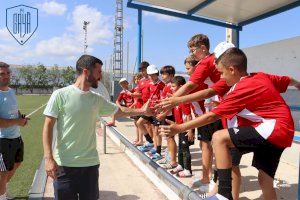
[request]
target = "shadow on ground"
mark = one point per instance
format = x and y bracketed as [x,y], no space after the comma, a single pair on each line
[111,195]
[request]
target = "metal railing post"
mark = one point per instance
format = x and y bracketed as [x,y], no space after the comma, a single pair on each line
[299,181]
[104,136]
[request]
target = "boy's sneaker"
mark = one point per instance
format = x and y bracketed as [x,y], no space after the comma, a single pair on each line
[207,187]
[216,197]
[156,157]
[151,152]
[146,147]
[165,160]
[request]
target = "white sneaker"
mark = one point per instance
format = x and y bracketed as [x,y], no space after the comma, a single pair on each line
[217,197]
[206,188]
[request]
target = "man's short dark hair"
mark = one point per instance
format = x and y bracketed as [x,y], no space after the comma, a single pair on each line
[234,57]
[178,80]
[167,69]
[4,65]
[143,65]
[198,40]
[87,62]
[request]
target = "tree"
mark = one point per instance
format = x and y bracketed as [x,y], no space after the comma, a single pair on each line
[27,74]
[15,79]
[54,75]
[41,76]
[68,76]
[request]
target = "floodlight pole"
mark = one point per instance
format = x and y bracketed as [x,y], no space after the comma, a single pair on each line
[85,23]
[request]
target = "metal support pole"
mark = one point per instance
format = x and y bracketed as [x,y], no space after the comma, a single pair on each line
[299,180]
[139,49]
[233,36]
[104,137]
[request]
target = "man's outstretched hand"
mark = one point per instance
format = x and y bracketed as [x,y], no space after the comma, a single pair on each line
[147,110]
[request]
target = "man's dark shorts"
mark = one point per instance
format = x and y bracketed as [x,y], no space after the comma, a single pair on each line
[74,182]
[266,156]
[11,152]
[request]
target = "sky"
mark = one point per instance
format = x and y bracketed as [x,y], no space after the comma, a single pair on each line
[59,38]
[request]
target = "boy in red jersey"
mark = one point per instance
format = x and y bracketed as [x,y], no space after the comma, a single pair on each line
[167,74]
[156,88]
[199,48]
[182,113]
[258,121]
[138,103]
[124,98]
[143,92]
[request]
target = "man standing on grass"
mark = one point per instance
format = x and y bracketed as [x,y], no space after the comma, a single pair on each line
[11,144]
[74,162]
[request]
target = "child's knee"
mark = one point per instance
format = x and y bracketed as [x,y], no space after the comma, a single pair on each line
[220,137]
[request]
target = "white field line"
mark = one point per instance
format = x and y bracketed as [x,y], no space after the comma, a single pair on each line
[36,110]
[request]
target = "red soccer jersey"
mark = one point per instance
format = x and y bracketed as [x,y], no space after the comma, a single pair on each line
[144,88]
[221,87]
[139,101]
[156,92]
[167,91]
[180,112]
[198,106]
[123,96]
[205,69]
[255,101]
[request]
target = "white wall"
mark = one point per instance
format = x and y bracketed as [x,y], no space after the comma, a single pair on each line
[281,57]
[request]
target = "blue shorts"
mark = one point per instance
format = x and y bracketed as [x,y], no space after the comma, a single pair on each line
[75,183]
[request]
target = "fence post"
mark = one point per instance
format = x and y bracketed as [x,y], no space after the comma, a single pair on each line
[104,136]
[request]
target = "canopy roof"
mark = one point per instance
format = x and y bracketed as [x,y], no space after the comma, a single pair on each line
[227,13]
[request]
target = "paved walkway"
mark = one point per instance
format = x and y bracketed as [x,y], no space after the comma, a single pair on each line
[119,178]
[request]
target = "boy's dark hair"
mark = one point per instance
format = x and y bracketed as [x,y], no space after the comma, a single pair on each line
[191,60]
[87,62]
[167,69]
[4,65]
[143,65]
[234,57]
[198,40]
[178,80]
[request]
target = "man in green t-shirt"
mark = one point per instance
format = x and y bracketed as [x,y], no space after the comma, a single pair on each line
[74,161]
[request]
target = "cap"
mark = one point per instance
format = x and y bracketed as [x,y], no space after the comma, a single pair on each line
[221,48]
[152,69]
[122,80]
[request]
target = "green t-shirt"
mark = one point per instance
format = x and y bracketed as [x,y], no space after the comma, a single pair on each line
[77,112]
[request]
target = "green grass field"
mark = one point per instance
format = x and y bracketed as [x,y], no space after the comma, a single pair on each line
[32,137]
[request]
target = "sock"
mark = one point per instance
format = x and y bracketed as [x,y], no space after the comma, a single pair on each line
[148,138]
[158,150]
[225,186]
[215,178]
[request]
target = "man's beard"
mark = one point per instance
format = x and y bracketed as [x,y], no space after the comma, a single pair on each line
[92,81]
[4,84]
